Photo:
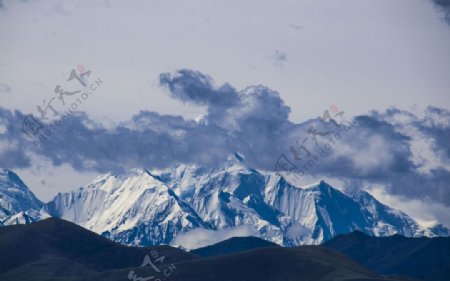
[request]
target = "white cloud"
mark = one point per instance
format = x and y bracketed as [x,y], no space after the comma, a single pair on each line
[423,147]
[2,128]
[198,238]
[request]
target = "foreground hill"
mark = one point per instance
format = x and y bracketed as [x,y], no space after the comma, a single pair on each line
[54,249]
[422,258]
[57,248]
[313,263]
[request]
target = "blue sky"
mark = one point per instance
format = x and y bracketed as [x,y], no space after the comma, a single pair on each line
[257,71]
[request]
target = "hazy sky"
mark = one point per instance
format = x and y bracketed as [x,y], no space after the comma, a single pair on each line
[359,55]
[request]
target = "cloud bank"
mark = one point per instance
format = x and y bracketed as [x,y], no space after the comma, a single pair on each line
[406,152]
[444,5]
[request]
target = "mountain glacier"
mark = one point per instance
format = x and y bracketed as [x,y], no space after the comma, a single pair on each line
[154,207]
[15,199]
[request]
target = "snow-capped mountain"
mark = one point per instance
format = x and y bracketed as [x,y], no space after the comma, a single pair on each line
[440,230]
[15,197]
[387,221]
[136,209]
[26,217]
[148,208]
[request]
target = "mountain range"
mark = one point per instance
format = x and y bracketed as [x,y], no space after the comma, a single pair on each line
[54,249]
[158,207]
[17,200]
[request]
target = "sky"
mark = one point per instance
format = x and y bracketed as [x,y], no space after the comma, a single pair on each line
[192,81]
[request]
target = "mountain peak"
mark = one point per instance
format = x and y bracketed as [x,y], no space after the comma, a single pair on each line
[8,176]
[239,157]
[236,157]
[320,185]
[15,195]
[324,185]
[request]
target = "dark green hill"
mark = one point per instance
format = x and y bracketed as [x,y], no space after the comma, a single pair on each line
[61,248]
[422,258]
[54,249]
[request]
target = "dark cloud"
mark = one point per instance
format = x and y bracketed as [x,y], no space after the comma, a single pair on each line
[444,5]
[13,149]
[376,148]
[195,87]
[254,109]
[150,139]
[280,56]
[436,127]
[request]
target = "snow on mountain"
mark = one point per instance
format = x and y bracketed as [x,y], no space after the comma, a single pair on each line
[154,207]
[234,195]
[147,208]
[227,197]
[136,209]
[15,196]
[26,217]
[440,230]
[386,221]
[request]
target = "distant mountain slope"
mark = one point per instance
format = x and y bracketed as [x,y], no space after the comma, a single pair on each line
[233,245]
[15,195]
[54,249]
[422,258]
[440,230]
[57,248]
[136,209]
